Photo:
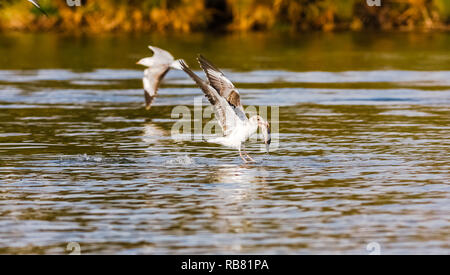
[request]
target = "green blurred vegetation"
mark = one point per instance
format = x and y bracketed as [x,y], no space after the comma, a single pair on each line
[228,15]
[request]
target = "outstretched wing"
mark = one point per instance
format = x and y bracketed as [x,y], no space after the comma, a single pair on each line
[37,6]
[225,114]
[151,80]
[161,56]
[216,78]
[223,85]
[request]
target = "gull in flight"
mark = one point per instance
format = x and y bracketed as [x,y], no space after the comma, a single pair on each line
[225,98]
[37,6]
[158,66]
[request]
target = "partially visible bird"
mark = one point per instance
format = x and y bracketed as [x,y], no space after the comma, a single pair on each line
[158,66]
[37,6]
[225,98]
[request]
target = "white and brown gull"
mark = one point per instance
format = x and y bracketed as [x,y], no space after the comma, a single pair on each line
[225,99]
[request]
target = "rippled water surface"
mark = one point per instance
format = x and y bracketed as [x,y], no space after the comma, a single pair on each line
[360,153]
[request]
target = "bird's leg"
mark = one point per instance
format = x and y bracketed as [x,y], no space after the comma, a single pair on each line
[247,155]
[242,157]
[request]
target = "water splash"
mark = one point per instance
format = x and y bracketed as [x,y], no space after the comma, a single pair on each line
[181,160]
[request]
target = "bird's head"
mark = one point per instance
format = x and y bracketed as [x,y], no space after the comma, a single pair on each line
[147,62]
[265,129]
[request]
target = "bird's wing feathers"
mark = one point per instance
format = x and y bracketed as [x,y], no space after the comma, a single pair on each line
[216,78]
[37,6]
[161,55]
[223,85]
[151,80]
[225,114]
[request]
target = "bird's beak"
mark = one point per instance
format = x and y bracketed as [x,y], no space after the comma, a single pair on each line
[142,62]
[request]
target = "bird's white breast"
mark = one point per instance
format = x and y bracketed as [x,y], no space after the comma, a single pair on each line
[239,135]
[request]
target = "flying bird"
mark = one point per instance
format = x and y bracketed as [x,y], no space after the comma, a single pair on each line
[225,99]
[37,6]
[158,66]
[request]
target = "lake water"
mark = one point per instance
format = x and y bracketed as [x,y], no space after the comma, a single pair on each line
[361,151]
